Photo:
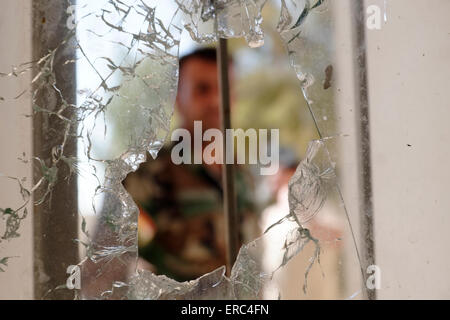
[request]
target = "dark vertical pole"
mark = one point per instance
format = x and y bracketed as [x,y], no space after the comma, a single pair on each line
[55,220]
[363,126]
[229,195]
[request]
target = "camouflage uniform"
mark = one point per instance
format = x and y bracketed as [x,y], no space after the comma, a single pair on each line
[181,225]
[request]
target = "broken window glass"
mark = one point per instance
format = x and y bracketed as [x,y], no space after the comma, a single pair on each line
[103,89]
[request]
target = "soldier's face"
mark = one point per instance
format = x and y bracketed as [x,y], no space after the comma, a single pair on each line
[198,94]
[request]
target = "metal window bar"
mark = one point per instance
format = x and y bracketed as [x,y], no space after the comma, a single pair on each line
[58,214]
[364,157]
[229,193]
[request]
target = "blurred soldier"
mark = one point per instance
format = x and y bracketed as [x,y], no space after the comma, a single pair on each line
[181,224]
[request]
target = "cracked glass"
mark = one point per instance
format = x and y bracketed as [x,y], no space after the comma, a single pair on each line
[104,79]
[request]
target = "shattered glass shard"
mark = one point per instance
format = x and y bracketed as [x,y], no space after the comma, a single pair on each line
[309,186]
[208,20]
[248,276]
[148,286]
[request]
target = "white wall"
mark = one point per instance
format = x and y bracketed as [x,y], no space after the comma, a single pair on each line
[15,138]
[409,73]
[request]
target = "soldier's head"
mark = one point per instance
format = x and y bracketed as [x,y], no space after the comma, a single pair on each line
[198,91]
